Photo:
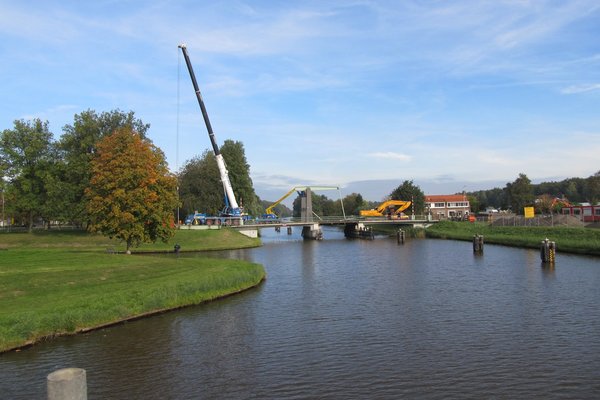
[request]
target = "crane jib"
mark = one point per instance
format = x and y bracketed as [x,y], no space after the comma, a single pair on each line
[211,134]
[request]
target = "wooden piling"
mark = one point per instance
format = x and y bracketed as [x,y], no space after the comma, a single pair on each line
[400,236]
[478,244]
[548,251]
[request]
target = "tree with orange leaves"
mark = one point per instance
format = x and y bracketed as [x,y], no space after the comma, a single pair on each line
[132,194]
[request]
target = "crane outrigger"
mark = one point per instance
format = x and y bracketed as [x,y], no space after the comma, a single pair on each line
[232,209]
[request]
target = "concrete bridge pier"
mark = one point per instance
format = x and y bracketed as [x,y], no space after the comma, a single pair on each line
[312,232]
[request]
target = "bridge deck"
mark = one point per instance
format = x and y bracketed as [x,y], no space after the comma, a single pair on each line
[338,221]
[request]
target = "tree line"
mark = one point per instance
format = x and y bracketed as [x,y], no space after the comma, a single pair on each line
[103,174]
[545,197]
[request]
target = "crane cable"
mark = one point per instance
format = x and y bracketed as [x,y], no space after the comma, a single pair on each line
[177,133]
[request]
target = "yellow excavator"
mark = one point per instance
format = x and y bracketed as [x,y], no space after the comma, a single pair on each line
[391,208]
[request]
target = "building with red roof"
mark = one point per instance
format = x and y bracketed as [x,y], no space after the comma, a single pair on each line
[447,206]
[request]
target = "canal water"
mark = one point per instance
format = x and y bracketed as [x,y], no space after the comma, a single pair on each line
[356,320]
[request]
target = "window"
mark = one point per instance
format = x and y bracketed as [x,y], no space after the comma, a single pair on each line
[459,204]
[439,205]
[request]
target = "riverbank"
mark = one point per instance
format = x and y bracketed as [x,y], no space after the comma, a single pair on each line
[65,282]
[568,239]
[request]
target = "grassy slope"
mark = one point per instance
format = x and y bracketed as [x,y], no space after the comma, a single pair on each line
[64,282]
[568,239]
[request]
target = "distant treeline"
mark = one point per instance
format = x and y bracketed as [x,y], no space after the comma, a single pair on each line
[522,192]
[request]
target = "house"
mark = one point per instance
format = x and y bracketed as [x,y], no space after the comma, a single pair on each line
[447,206]
[585,212]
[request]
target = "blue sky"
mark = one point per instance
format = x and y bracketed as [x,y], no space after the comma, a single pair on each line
[457,94]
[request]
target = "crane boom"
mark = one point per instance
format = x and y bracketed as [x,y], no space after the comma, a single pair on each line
[231,202]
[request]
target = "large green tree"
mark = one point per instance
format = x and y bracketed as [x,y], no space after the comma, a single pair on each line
[200,186]
[239,175]
[593,188]
[408,191]
[77,146]
[27,157]
[520,193]
[353,203]
[132,194]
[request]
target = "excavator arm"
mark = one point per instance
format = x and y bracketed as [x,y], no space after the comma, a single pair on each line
[380,210]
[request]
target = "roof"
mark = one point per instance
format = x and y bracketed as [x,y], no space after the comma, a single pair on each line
[439,198]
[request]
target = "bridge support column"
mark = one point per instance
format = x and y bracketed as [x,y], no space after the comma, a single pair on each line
[312,232]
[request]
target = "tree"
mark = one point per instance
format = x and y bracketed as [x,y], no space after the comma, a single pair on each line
[353,203]
[408,191]
[27,156]
[474,203]
[200,187]
[78,145]
[132,195]
[593,188]
[544,204]
[239,175]
[520,193]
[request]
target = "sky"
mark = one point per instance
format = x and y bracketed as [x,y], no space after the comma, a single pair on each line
[454,95]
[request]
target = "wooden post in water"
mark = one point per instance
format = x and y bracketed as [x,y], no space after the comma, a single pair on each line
[478,244]
[400,236]
[548,251]
[67,384]
[289,230]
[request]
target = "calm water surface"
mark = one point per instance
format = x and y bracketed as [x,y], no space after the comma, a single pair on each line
[353,319]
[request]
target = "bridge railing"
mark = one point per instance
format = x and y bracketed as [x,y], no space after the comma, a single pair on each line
[353,218]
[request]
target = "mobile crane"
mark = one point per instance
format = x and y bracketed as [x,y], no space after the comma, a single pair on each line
[232,209]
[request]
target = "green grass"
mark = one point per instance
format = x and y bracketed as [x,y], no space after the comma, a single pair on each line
[54,283]
[568,239]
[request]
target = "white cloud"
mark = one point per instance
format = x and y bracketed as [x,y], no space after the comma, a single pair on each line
[581,88]
[391,156]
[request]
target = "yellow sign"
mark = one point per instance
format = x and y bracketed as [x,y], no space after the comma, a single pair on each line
[529,212]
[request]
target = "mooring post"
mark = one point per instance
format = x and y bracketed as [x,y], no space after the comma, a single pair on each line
[400,236]
[289,230]
[477,244]
[548,251]
[67,384]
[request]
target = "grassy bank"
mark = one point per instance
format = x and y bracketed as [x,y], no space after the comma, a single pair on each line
[568,239]
[54,283]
